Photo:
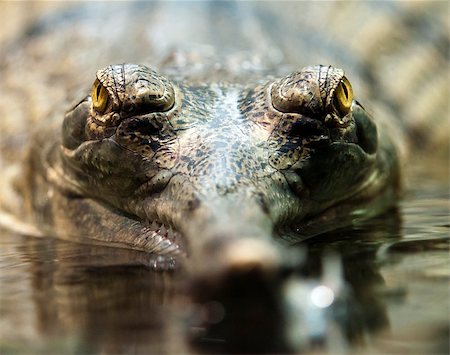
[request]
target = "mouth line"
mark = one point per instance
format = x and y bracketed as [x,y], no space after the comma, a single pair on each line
[163,240]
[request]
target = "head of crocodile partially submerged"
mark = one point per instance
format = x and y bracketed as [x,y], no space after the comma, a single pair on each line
[217,172]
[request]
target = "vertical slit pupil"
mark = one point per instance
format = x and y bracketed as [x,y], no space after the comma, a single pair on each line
[99,87]
[344,87]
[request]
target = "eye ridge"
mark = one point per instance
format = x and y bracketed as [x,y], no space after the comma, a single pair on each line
[315,91]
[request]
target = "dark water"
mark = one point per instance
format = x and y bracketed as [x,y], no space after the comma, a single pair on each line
[389,275]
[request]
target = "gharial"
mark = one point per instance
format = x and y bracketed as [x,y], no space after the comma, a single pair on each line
[215,171]
[170,168]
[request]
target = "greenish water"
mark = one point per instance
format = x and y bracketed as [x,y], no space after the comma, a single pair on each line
[393,273]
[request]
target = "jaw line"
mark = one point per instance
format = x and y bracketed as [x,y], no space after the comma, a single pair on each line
[163,239]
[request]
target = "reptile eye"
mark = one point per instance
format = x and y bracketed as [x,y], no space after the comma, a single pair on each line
[343,97]
[100,97]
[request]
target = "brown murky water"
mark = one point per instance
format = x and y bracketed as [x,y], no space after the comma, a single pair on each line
[58,297]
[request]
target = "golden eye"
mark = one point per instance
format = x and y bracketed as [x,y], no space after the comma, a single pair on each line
[343,97]
[100,96]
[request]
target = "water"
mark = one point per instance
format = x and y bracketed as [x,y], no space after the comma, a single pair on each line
[58,297]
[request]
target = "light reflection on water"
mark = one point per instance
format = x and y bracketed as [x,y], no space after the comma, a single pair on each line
[58,297]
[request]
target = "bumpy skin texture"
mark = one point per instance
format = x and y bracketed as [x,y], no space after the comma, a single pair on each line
[215,172]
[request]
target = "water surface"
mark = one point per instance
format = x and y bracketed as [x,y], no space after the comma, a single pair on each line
[59,297]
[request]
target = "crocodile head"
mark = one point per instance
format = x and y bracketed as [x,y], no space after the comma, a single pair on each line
[221,171]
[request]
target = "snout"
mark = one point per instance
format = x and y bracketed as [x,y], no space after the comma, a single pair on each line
[230,234]
[222,232]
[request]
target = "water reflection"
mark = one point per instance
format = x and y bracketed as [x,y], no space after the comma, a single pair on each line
[380,286]
[334,299]
[89,299]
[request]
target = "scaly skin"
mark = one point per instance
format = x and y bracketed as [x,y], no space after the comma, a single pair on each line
[216,172]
